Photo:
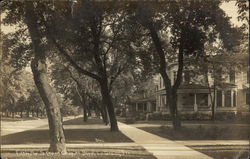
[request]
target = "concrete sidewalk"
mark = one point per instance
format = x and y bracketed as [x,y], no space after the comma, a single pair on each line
[160,147]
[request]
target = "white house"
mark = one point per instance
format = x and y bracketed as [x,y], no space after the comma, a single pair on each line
[231,93]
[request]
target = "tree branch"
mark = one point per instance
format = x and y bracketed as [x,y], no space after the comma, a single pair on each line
[178,80]
[67,56]
[160,52]
[113,78]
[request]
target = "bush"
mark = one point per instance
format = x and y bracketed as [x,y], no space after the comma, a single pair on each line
[228,116]
[195,116]
[243,117]
[67,110]
[130,120]
[118,112]
[159,116]
[139,115]
[225,116]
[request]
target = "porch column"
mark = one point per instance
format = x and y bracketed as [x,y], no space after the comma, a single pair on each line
[136,106]
[195,104]
[223,98]
[209,101]
[232,98]
[236,98]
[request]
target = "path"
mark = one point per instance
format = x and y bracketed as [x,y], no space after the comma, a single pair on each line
[160,147]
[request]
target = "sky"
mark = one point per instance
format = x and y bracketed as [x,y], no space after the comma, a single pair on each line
[229,8]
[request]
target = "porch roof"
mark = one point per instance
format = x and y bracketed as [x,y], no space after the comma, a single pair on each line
[192,86]
[149,99]
[226,85]
[189,88]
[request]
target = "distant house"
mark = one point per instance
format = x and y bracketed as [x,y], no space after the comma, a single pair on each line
[144,99]
[144,104]
[195,95]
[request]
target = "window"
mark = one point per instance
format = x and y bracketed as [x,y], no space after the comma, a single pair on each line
[234,99]
[153,107]
[187,77]
[247,97]
[202,100]
[232,76]
[140,107]
[145,107]
[160,82]
[174,75]
[163,100]
[219,98]
[248,76]
[228,97]
[159,97]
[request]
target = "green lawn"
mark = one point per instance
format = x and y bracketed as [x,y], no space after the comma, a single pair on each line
[76,131]
[224,152]
[201,132]
[10,119]
[73,135]
[204,131]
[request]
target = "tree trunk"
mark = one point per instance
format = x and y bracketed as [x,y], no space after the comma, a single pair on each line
[108,103]
[89,112]
[57,139]
[7,113]
[37,112]
[213,102]
[210,93]
[32,112]
[21,114]
[47,93]
[213,105]
[172,103]
[85,114]
[27,113]
[103,114]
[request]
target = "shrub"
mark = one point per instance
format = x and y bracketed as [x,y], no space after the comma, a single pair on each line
[225,116]
[195,116]
[139,115]
[118,111]
[159,116]
[130,120]
[243,116]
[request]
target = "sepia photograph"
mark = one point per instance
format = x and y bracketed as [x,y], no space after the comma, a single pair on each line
[124,79]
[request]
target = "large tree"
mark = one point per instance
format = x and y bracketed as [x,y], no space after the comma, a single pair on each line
[97,43]
[31,34]
[185,27]
[39,69]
